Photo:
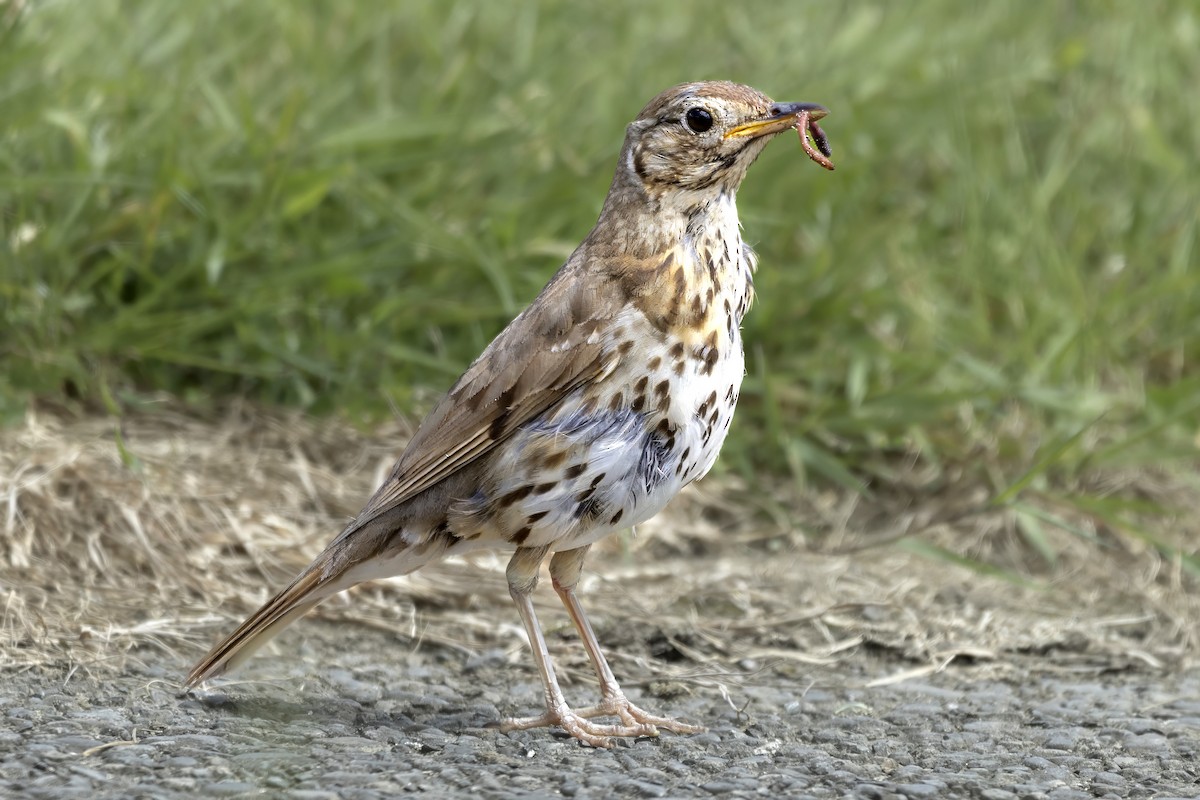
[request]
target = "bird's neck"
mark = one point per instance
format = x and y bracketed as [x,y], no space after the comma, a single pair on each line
[681,260]
[720,284]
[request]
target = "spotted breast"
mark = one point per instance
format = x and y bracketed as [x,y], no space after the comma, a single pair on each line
[612,454]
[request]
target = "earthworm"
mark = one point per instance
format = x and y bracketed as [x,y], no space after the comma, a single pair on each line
[820,153]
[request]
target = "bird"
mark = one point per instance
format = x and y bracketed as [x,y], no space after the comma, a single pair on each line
[596,405]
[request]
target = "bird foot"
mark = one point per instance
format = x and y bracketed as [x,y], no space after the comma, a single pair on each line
[634,722]
[618,705]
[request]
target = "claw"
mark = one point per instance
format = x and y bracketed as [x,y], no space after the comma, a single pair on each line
[579,726]
[618,705]
[635,722]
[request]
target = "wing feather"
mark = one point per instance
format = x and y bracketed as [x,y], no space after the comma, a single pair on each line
[550,349]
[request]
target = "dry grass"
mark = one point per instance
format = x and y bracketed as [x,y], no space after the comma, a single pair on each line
[153,546]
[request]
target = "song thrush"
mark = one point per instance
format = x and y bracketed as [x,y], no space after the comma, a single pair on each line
[593,408]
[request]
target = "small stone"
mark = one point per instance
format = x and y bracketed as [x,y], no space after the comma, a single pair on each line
[996,794]
[229,788]
[635,788]
[1060,741]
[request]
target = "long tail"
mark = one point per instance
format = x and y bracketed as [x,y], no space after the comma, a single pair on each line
[306,591]
[377,545]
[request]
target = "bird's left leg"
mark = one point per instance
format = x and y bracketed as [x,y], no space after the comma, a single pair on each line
[522,576]
[565,568]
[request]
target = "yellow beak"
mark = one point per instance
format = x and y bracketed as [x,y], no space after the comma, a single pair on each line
[781,117]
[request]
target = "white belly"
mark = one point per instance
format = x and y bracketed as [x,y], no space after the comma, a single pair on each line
[616,464]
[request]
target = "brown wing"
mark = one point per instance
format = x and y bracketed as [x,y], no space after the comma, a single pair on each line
[551,348]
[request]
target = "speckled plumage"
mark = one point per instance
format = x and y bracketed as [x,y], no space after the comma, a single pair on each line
[593,408]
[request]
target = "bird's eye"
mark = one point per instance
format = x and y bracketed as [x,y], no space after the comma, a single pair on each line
[697,120]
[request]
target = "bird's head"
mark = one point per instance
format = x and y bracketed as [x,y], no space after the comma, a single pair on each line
[702,137]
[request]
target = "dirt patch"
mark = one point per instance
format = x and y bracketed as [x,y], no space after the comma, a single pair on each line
[123,558]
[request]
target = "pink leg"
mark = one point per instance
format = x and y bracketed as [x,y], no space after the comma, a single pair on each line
[565,568]
[522,578]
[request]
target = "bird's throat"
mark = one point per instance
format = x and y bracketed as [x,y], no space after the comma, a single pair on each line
[700,280]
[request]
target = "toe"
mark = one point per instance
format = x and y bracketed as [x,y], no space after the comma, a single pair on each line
[666,723]
[633,717]
[579,726]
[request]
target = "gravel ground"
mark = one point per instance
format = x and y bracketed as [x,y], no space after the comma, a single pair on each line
[863,670]
[390,719]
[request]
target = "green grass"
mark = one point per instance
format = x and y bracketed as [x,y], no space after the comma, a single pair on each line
[336,205]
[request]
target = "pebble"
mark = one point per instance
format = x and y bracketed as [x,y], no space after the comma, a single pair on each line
[634,788]
[921,790]
[368,729]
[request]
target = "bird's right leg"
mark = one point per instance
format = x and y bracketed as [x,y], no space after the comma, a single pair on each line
[522,577]
[565,568]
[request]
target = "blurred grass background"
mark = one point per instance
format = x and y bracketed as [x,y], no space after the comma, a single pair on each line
[337,205]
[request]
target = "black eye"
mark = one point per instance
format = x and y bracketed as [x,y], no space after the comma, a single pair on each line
[697,120]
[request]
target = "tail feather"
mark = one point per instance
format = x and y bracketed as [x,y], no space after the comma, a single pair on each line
[375,547]
[301,595]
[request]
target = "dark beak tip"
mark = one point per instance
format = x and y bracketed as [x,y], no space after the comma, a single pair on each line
[815,110]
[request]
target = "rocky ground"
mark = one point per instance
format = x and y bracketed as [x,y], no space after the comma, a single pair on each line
[821,666]
[353,713]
